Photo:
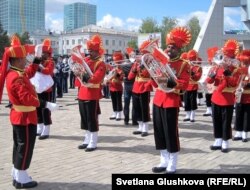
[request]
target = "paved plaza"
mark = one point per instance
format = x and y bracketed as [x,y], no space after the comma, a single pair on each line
[59,165]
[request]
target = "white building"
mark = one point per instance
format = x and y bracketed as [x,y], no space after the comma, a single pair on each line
[113,39]
[38,36]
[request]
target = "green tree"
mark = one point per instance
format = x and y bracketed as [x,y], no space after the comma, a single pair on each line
[25,38]
[4,40]
[194,26]
[167,24]
[133,44]
[149,25]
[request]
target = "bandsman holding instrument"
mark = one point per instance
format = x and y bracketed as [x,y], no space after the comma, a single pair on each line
[141,93]
[44,114]
[166,103]
[225,77]
[190,95]
[242,108]
[115,86]
[90,92]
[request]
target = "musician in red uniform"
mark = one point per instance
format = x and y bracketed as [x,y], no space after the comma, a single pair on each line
[44,114]
[225,77]
[166,104]
[141,93]
[242,108]
[23,115]
[190,95]
[115,86]
[90,94]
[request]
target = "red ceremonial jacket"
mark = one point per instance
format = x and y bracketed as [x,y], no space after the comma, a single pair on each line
[224,94]
[245,98]
[22,95]
[142,79]
[172,99]
[115,83]
[48,69]
[94,91]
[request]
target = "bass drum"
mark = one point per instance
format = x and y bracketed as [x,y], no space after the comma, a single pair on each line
[203,86]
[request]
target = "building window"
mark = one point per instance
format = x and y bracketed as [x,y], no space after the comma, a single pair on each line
[106,42]
[113,42]
[120,43]
[107,51]
[67,42]
[73,42]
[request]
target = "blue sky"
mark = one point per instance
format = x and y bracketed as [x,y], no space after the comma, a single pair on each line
[128,14]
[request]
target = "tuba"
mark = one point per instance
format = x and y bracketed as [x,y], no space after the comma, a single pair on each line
[158,71]
[153,62]
[78,65]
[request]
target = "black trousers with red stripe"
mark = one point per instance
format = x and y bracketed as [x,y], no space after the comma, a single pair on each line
[116,97]
[44,114]
[222,120]
[190,100]
[165,121]
[89,110]
[141,105]
[24,138]
[242,117]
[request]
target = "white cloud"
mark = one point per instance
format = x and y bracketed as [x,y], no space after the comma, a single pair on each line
[109,21]
[55,25]
[199,14]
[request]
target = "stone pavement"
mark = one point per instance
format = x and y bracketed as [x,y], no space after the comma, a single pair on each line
[59,165]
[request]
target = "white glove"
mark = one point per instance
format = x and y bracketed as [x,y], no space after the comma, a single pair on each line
[52,106]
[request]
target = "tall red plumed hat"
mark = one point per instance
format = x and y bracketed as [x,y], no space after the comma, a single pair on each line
[16,50]
[244,56]
[47,46]
[211,53]
[231,48]
[129,50]
[143,46]
[118,57]
[95,44]
[192,55]
[179,36]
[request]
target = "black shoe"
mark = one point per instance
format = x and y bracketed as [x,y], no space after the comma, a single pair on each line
[244,140]
[38,134]
[14,182]
[187,119]
[112,118]
[237,138]
[126,123]
[26,185]
[158,169]
[8,105]
[137,132]
[212,147]
[207,114]
[43,137]
[134,123]
[90,149]
[224,150]
[82,146]
[144,134]
[192,120]
[118,119]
